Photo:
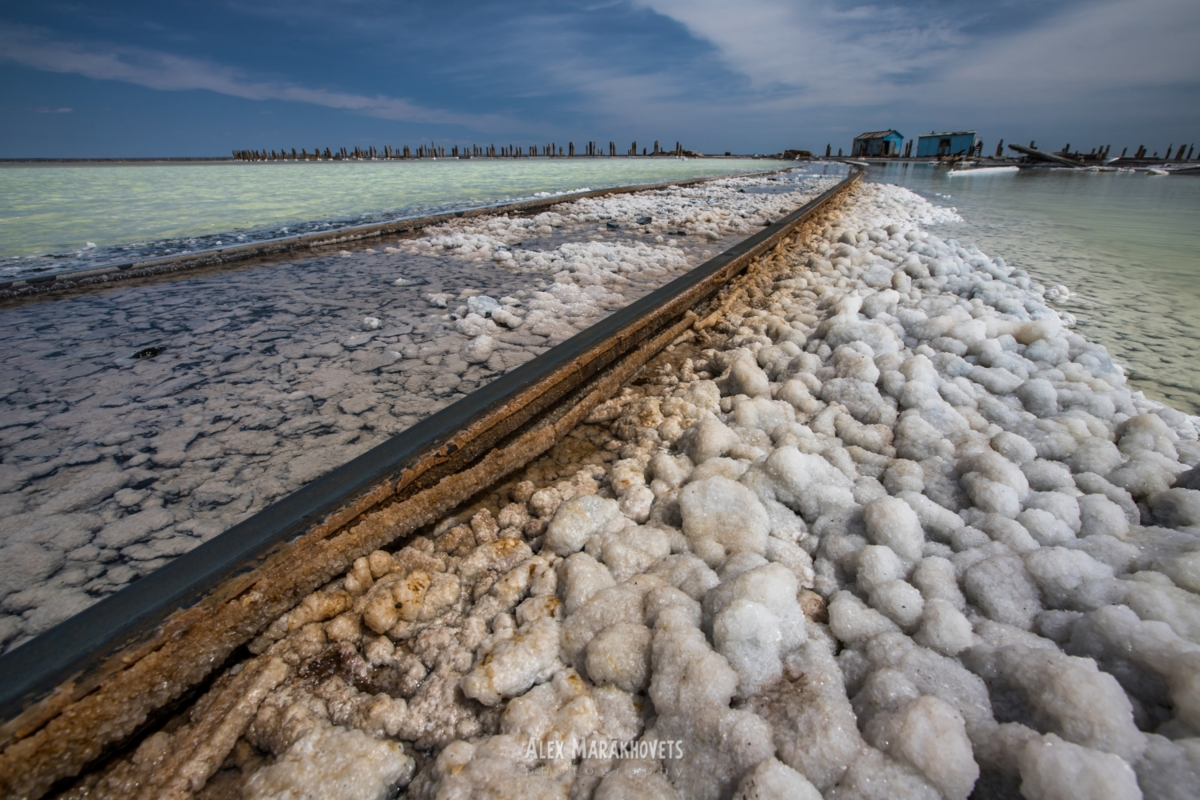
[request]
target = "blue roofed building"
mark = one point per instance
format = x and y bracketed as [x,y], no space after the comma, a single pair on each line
[879,143]
[953,143]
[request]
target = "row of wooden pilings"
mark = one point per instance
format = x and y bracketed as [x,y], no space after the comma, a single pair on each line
[548,150]
[1184,153]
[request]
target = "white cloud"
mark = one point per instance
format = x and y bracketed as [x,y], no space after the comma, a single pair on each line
[163,71]
[846,57]
[1111,45]
[866,55]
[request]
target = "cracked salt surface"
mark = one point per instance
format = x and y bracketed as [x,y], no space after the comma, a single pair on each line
[888,530]
[138,422]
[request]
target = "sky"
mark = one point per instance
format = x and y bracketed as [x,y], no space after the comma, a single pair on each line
[131,78]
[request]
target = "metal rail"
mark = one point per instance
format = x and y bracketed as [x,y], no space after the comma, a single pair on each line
[86,685]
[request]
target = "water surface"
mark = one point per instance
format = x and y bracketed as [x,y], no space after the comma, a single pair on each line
[1125,243]
[55,218]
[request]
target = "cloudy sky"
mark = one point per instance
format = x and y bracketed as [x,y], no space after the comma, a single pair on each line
[131,78]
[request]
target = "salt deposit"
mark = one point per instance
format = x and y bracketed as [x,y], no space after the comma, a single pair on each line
[982,171]
[973,597]
[137,423]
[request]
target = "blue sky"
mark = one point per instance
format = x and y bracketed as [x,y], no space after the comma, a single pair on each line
[130,78]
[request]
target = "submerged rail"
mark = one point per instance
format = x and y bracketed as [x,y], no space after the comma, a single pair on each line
[83,688]
[109,274]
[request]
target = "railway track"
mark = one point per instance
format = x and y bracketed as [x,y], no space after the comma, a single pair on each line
[82,691]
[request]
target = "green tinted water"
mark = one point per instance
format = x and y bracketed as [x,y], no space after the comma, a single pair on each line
[1126,243]
[168,207]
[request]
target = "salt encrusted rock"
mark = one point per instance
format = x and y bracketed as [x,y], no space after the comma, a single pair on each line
[1176,508]
[578,520]
[930,735]
[944,628]
[1052,769]
[1000,586]
[707,439]
[722,517]
[335,763]
[581,576]
[747,378]
[893,523]
[691,688]
[774,780]
[630,551]
[479,349]
[515,664]
[808,483]
[620,656]
[851,620]
[756,621]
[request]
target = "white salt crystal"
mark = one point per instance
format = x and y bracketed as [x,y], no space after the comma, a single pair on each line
[707,439]
[1038,396]
[720,517]
[892,522]
[334,763]
[620,656]
[1003,590]
[1053,769]
[578,519]
[479,349]
[900,601]
[513,665]
[877,565]
[1095,455]
[581,577]
[774,780]
[931,735]
[944,628]
[1072,579]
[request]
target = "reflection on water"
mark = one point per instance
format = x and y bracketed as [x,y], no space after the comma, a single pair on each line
[136,211]
[1126,244]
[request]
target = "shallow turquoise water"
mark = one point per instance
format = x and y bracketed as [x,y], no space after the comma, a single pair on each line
[143,210]
[1127,244]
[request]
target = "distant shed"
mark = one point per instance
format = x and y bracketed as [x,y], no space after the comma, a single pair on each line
[878,143]
[953,143]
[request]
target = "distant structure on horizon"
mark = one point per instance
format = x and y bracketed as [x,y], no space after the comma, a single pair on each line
[953,143]
[877,143]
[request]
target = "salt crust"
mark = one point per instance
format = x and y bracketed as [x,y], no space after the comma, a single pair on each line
[997,597]
[142,460]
